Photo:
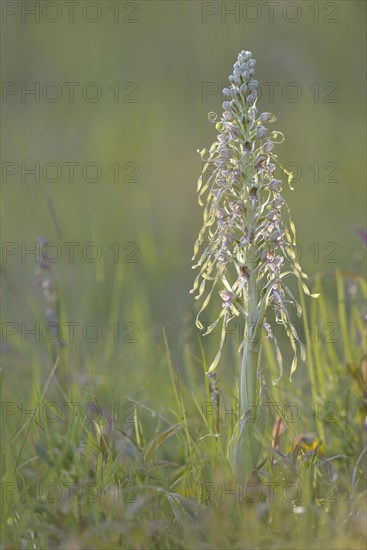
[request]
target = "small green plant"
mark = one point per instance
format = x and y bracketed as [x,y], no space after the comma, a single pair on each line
[246,247]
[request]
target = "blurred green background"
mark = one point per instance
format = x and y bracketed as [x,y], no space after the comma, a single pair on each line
[172,52]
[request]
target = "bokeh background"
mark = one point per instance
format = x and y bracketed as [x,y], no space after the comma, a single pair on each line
[170,60]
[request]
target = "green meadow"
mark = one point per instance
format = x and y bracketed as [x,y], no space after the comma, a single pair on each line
[113,436]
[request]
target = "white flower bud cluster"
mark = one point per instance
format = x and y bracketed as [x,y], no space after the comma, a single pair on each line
[247,232]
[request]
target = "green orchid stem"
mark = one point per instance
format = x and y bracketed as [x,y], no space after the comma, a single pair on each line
[248,382]
[250,362]
[250,357]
